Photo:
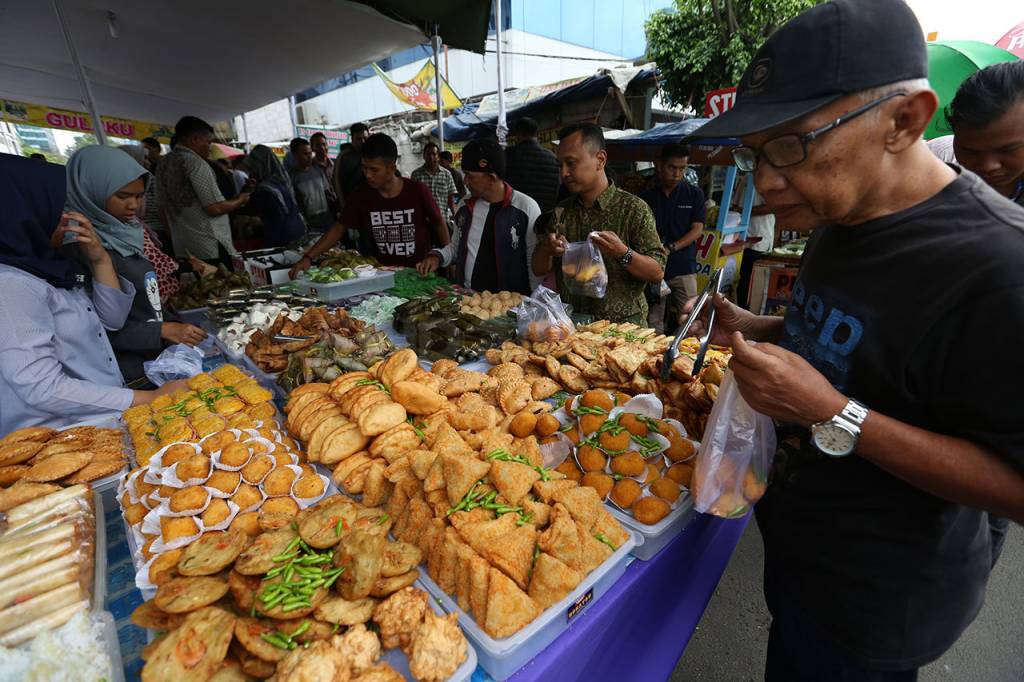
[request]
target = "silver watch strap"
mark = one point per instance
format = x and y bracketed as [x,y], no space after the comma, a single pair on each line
[854,413]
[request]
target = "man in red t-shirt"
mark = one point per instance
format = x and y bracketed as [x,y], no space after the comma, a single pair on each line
[396,218]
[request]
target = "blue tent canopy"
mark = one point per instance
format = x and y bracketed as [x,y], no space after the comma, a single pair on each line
[467,126]
[646,146]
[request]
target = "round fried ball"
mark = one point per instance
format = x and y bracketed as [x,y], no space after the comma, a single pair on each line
[258,468]
[753,487]
[590,458]
[246,496]
[681,473]
[280,505]
[308,485]
[177,452]
[217,441]
[282,457]
[597,397]
[629,464]
[599,481]
[680,449]
[187,499]
[632,423]
[235,455]
[176,527]
[625,492]
[653,473]
[216,513]
[523,424]
[573,435]
[622,398]
[279,482]
[224,481]
[649,510]
[163,567]
[666,489]
[569,469]
[547,425]
[248,523]
[614,442]
[196,466]
[589,423]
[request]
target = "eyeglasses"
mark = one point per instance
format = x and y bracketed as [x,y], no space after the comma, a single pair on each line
[789,150]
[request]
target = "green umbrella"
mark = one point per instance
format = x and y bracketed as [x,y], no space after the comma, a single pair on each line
[950,62]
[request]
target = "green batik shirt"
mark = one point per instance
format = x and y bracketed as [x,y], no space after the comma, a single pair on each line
[631,219]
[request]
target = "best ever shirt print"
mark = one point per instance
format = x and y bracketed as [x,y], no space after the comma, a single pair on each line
[394,231]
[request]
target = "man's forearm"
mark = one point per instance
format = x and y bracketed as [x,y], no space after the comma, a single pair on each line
[645,268]
[951,468]
[441,236]
[331,237]
[696,230]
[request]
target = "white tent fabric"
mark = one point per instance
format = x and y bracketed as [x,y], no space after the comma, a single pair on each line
[210,58]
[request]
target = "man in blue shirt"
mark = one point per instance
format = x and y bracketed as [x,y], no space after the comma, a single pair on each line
[678,209]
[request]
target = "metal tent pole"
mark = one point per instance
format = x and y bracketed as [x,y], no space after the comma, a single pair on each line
[502,130]
[439,94]
[90,101]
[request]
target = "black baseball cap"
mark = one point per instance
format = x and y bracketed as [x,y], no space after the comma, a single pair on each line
[829,51]
[484,156]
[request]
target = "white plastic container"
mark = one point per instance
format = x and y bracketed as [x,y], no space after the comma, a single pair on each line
[99,586]
[113,645]
[654,538]
[502,657]
[335,291]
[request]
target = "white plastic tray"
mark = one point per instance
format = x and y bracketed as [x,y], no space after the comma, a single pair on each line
[502,657]
[113,646]
[654,538]
[335,291]
[99,586]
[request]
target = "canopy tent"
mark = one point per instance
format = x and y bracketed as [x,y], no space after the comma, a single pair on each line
[468,125]
[646,146]
[160,60]
[463,24]
[950,62]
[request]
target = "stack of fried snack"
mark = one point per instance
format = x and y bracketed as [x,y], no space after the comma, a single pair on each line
[226,398]
[29,466]
[487,305]
[275,605]
[505,535]
[271,355]
[46,563]
[626,357]
[637,462]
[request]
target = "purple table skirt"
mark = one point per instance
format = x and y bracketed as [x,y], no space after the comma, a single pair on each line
[640,628]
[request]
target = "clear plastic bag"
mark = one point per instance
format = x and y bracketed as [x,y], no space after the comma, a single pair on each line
[735,456]
[176,362]
[542,317]
[583,270]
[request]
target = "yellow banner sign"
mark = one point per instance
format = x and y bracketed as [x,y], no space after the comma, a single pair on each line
[420,91]
[78,122]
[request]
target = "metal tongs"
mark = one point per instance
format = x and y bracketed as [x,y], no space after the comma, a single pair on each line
[706,298]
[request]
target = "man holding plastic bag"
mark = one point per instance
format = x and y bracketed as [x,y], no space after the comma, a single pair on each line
[601,242]
[899,356]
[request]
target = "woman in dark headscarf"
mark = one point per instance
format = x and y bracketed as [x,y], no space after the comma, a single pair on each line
[273,200]
[56,365]
[106,186]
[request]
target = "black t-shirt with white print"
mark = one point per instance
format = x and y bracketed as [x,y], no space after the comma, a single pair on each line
[920,316]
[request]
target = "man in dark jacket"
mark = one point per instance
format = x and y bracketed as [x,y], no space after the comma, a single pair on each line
[530,168]
[494,239]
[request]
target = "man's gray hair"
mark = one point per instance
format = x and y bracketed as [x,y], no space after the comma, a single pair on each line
[908,86]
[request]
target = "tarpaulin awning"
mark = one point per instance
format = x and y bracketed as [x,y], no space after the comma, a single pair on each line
[646,146]
[467,126]
[159,60]
[463,24]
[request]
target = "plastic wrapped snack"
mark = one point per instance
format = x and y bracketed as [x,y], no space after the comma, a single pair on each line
[542,317]
[583,270]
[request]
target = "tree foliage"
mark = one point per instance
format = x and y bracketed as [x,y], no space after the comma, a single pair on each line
[703,45]
[28,150]
[79,142]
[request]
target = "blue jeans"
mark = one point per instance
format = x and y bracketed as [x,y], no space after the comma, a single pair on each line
[998,527]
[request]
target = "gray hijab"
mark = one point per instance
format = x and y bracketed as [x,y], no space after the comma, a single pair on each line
[95,173]
[270,174]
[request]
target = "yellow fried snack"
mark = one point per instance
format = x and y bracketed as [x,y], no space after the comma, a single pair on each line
[246,496]
[163,567]
[257,469]
[235,455]
[218,441]
[176,527]
[194,467]
[224,481]
[57,466]
[254,394]
[229,374]
[193,498]
[280,505]
[175,453]
[279,482]
[228,405]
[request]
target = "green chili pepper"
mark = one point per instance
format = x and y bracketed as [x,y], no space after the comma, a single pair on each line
[605,540]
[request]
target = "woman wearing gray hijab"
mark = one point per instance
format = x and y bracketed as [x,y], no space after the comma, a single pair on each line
[273,199]
[106,186]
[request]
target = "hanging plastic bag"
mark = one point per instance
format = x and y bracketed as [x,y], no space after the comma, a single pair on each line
[735,456]
[176,362]
[542,317]
[583,270]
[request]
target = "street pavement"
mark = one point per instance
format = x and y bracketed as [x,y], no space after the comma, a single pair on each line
[730,642]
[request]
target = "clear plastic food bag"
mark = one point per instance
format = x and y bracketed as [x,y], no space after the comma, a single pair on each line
[542,317]
[735,456]
[583,270]
[176,362]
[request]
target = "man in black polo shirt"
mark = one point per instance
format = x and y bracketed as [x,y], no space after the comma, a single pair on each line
[899,357]
[678,209]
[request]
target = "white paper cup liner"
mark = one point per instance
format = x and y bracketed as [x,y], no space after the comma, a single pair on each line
[128,484]
[309,501]
[232,513]
[553,454]
[646,404]
[170,477]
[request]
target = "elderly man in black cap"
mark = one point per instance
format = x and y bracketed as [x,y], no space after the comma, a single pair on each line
[899,357]
[494,239]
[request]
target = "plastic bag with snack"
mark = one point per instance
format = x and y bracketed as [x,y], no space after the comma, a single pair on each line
[735,456]
[542,317]
[583,270]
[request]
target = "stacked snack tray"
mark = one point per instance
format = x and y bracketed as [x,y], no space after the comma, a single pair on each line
[335,291]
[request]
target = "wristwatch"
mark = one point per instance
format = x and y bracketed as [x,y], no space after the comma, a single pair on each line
[626,258]
[838,436]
